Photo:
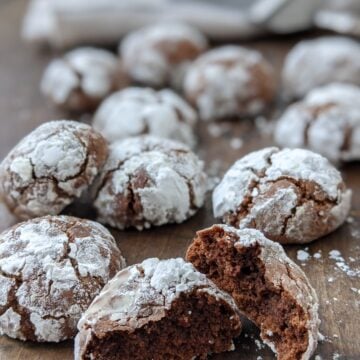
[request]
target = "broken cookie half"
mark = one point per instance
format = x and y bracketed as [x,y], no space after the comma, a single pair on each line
[268,287]
[159,309]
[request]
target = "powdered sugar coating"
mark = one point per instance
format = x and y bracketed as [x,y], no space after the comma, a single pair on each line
[143,293]
[51,167]
[229,81]
[292,195]
[149,181]
[159,54]
[327,121]
[7,218]
[82,78]
[51,268]
[137,111]
[318,62]
[282,273]
[342,16]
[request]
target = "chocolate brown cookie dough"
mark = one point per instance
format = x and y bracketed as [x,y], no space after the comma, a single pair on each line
[159,309]
[268,287]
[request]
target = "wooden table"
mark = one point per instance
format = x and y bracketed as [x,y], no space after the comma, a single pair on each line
[22,108]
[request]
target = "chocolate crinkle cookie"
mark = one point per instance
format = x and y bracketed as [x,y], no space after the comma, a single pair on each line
[327,121]
[268,287]
[230,82]
[138,111]
[321,61]
[149,181]
[158,55]
[51,167]
[82,78]
[291,195]
[159,309]
[51,268]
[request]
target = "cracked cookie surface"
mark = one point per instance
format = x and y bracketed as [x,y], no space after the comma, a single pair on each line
[229,82]
[148,181]
[82,78]
[320,61]
[159,55]
[158,309]
[291,195]
[51,268]
[139,111]
[51,167]
[327,121]
[268,287]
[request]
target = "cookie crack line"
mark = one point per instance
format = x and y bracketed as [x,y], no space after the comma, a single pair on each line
[61,192]
[12,299]
[248,202]
[300,200]
[122,163]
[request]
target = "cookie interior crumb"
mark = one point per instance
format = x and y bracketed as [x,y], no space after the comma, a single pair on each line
[240,272]
[183,333]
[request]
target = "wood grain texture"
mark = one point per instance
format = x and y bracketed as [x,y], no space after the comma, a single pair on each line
[22,108]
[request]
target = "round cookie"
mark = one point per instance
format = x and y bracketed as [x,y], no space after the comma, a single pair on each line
[51,268]
[313,63]
[229,82]
[82,78]
[162,308]
[148,181]
[137,111]
[327,121]
[268,287]
[159,54]
[51,167]
[291,195]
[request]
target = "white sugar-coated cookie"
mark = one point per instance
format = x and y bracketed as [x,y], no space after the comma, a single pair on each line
[229,82]
[51,268]
[164,308]
[321,61]
[138,111]
[268,287]
[149,181]
[159,54]
[327,121]
[82,78]
[291,195]
[51,167]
